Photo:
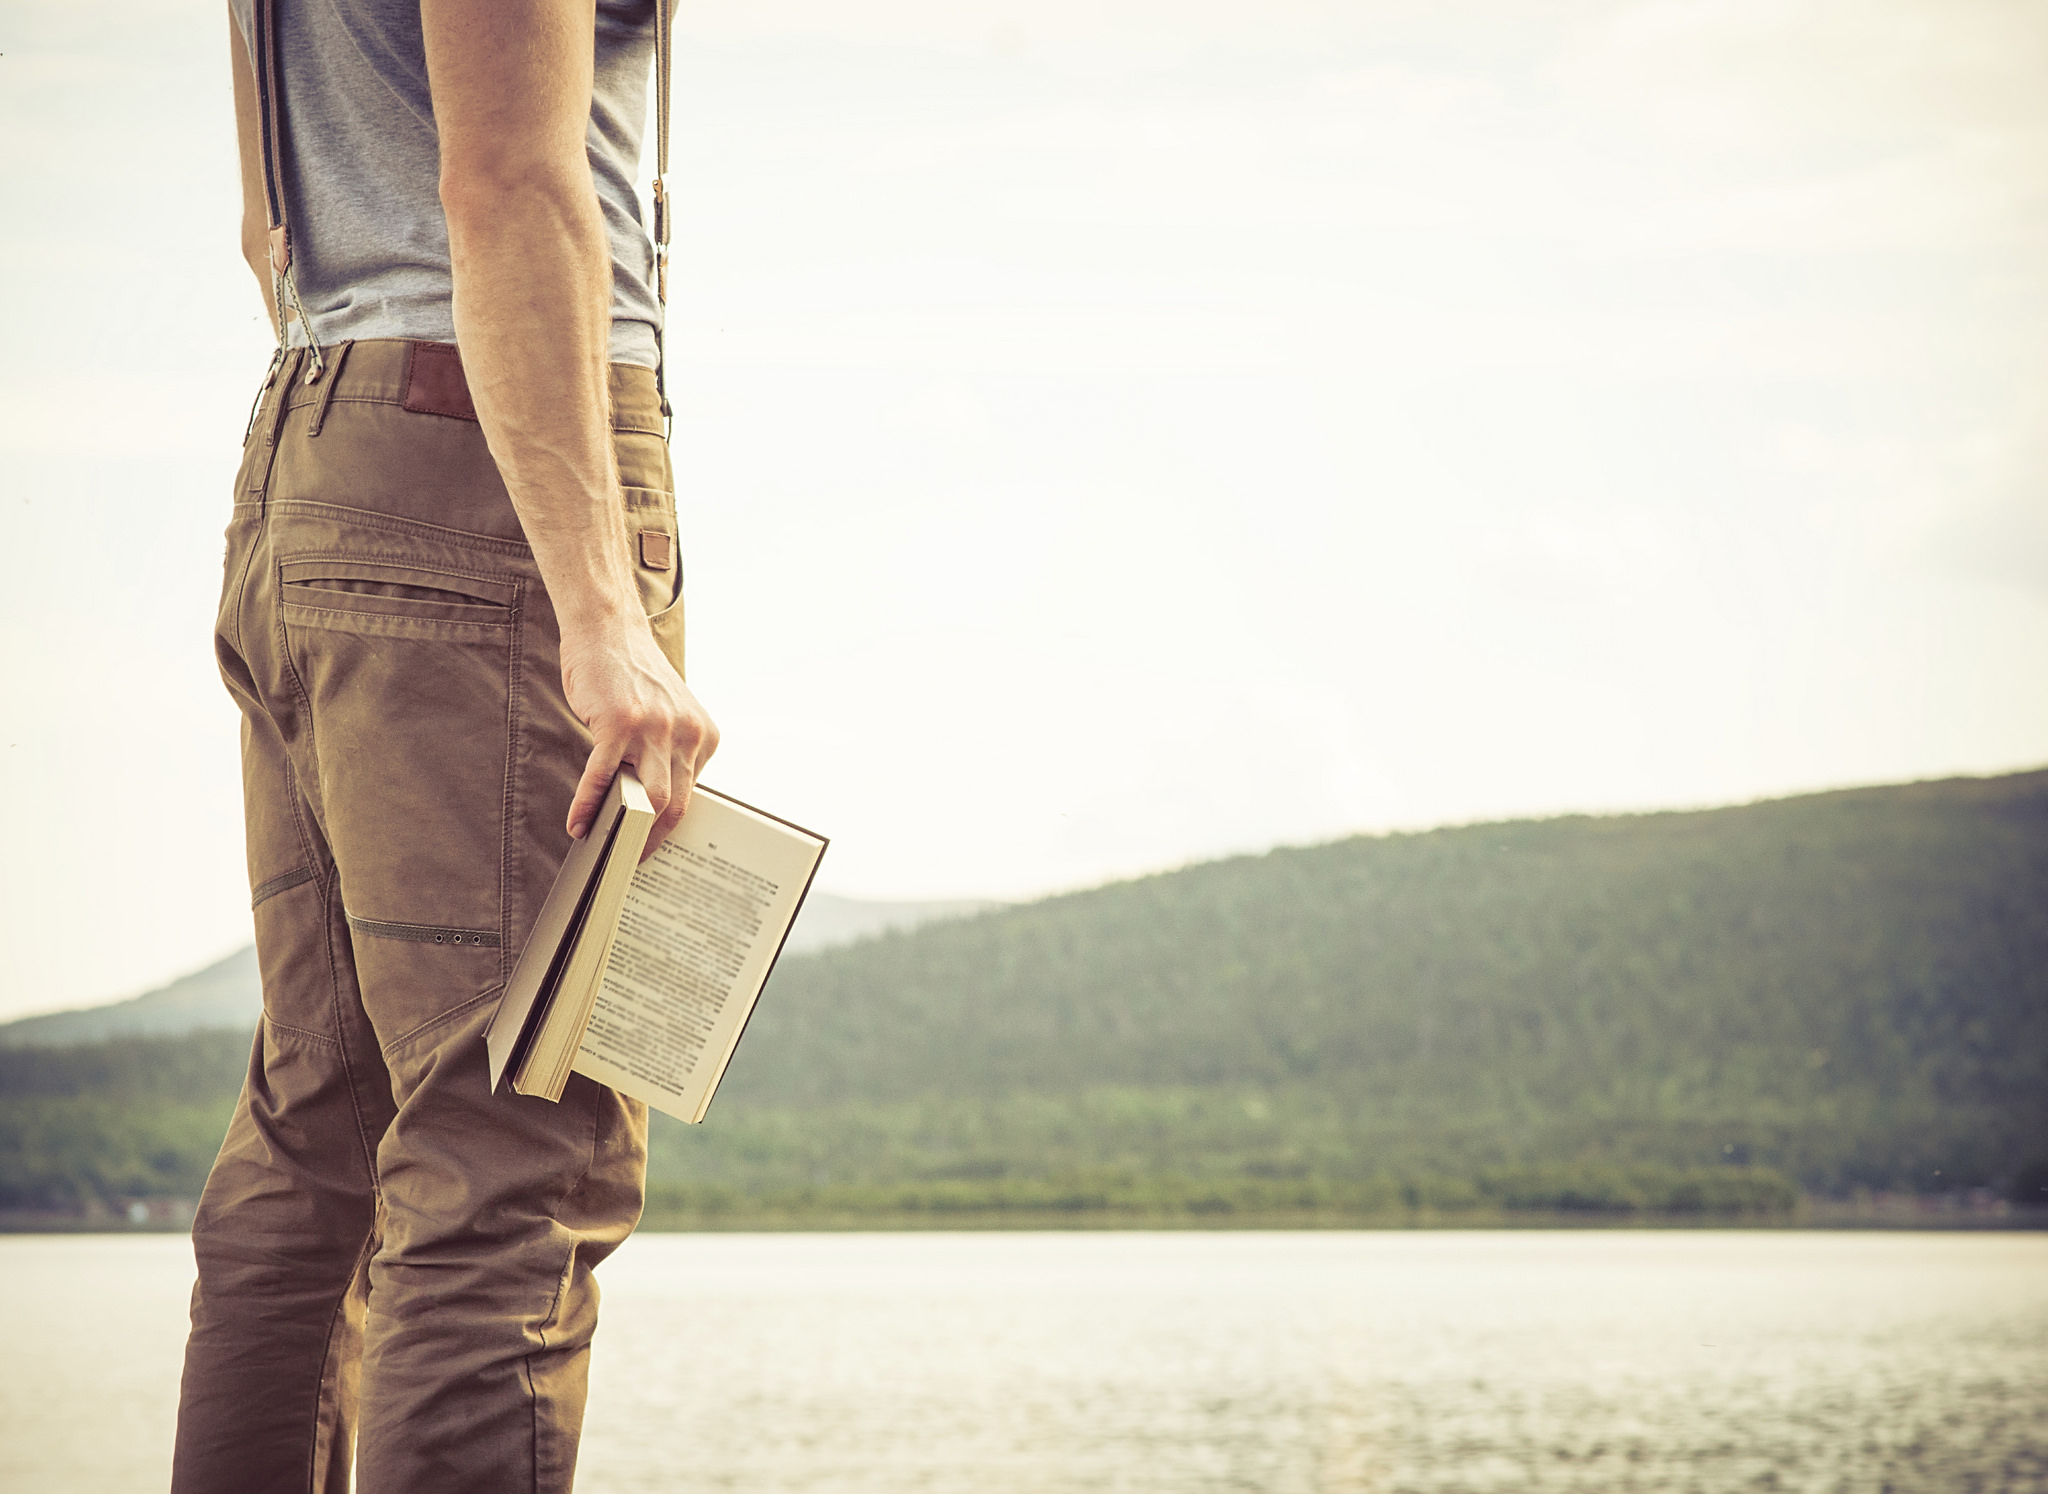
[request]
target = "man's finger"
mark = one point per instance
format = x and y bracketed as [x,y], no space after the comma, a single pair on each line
[590,791]
[672,816]
[654,777]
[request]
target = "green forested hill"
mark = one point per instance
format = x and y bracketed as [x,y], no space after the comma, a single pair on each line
[1852,987]
[93,1126]
[1849,989]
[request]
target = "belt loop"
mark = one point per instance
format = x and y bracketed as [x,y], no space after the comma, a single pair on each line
[333,381]
[283,397]
[256,404]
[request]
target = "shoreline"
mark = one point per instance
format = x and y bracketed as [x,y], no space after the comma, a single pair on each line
[1822,1215]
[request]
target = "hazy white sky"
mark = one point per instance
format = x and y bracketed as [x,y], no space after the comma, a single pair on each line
[1117,433]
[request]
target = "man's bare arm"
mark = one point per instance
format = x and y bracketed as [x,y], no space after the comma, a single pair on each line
[511,82]
[249,146]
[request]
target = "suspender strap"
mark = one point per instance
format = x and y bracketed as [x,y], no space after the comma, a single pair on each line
[663,46]
[284,287]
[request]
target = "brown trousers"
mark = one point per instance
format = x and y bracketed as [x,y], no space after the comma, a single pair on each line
[392,1258]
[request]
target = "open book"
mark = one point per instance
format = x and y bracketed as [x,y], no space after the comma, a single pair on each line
[642,976]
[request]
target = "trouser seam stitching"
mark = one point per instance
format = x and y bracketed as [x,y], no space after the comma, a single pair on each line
[515,658]
[398,403]
[554,1311]
[242,597]
[326,1352]
[261,488]
[408,561]
[533,1416]
[291,668]
[438,533]
[301,1032]
[297,801]
[298,876]
[329,903]
[440,1020]
[420,933]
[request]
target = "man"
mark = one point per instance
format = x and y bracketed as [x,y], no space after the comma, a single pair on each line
[450,611]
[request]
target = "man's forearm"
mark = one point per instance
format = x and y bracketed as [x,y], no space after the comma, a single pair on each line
[532,273]
[532,282]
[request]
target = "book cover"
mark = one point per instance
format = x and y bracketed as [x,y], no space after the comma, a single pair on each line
[642,975]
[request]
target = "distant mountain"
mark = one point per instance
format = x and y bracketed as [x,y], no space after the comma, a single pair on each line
[829,922]
[227,995]
[223,995]
[1672,1012]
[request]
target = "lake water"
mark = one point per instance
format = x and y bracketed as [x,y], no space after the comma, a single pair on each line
[989,1363]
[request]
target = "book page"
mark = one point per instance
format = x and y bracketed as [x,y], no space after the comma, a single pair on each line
[701,926]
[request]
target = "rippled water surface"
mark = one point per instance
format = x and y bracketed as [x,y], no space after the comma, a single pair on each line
[989,1363]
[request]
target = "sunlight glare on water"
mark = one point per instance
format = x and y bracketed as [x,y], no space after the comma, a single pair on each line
[1579,1361]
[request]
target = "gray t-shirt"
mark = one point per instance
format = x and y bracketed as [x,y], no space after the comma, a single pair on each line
[362,164]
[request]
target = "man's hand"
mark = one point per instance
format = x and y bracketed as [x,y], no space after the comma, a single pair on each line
[624,689]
